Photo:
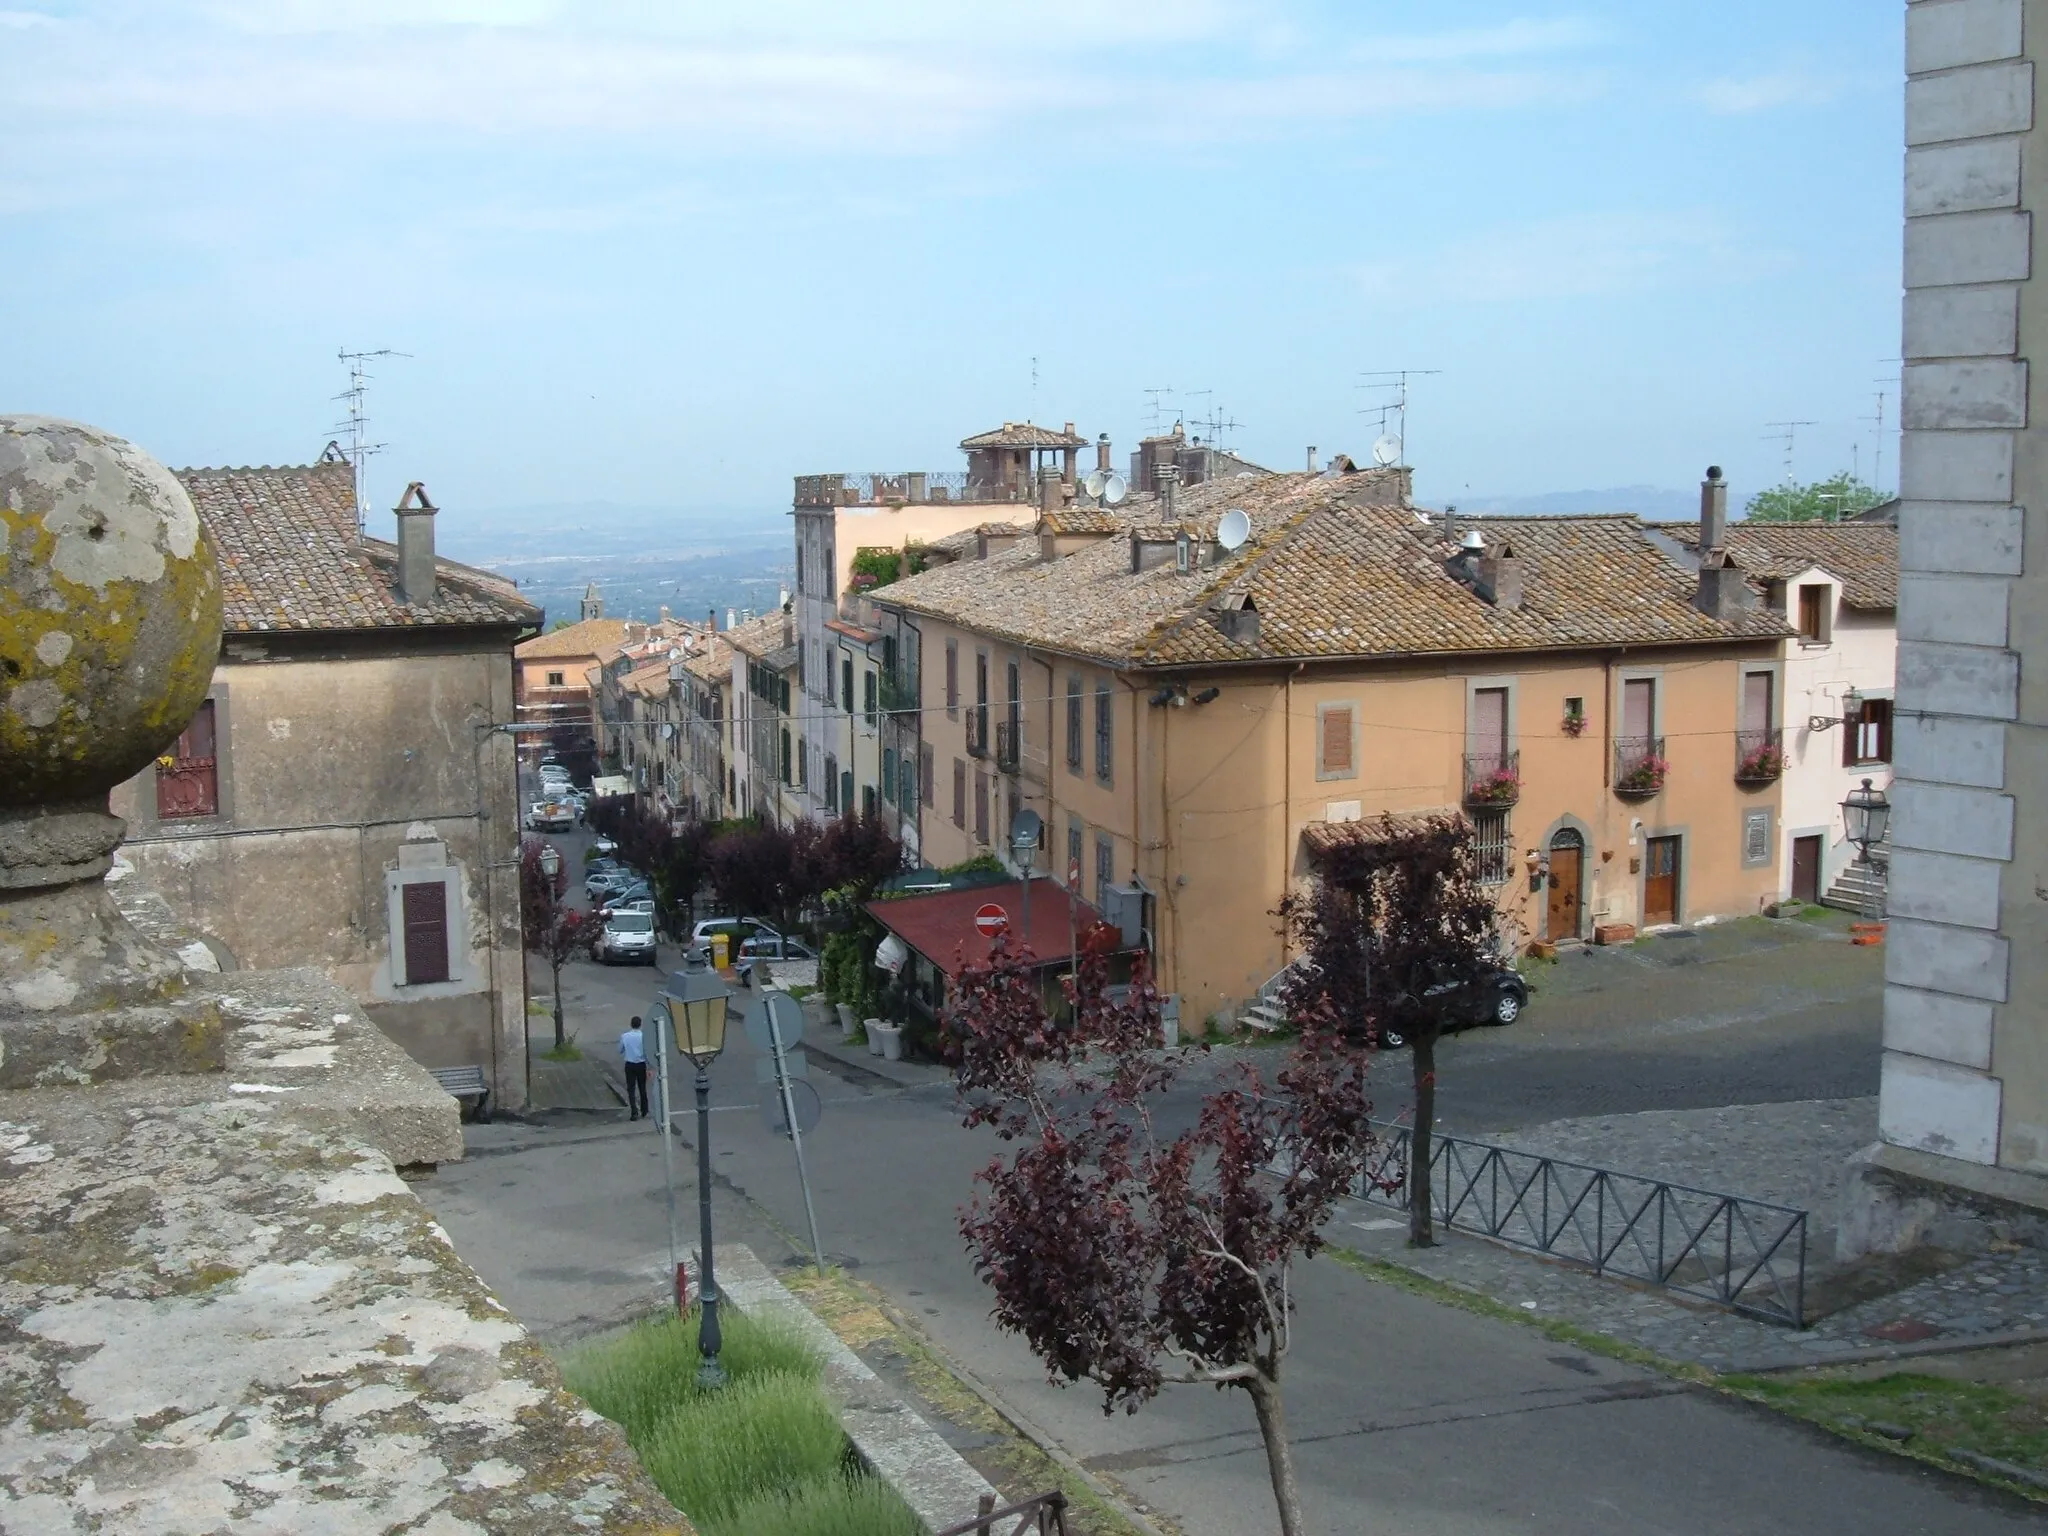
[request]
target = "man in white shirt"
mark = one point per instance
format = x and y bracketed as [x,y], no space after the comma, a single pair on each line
[633,1052]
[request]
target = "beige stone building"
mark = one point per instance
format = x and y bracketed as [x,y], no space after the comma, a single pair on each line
[1194,723]
[1964,1105]
[552,686]
[343,800]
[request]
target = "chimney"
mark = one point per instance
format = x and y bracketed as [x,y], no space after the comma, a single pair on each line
[711,621]
[1724,588]
[732,619]
[415,546]
[1169,484]
[1311,458]
[1102,453]
[1236,617]
[1500,575]
[664,613]
[788,630]
[1713,509]
[1049,498]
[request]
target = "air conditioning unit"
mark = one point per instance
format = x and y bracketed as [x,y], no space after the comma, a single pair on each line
[1125,910]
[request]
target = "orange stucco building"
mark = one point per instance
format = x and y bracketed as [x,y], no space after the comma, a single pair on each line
[1194,723]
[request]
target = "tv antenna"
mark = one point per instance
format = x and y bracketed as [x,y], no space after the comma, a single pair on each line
[1394,381]
[358,448]
[1155,402]
[1790,433]
[1877,421]
[1216,423]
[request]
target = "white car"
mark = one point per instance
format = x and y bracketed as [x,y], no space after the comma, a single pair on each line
[628,939]
[550,816]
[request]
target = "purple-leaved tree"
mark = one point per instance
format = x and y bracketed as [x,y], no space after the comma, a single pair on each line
[1127,1257]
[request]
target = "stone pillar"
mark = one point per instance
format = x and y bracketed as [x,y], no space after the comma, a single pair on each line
[110,622]
[1964,1104]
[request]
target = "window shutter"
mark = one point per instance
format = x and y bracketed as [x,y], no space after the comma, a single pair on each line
[1638,708]
[1882,710]
[924,773]
[1336,748]
[189,785]
[425,905]
[959,793]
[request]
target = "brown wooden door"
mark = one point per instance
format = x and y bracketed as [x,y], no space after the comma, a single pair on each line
[1561,912]
[1806,869]
[1660,882]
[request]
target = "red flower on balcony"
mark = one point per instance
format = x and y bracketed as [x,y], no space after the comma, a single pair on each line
[1501,786]
[1646,777]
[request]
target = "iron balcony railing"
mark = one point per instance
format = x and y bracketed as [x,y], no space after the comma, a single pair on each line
[1009,746]
[1493,778]
[1759,756]
[1640,766]
[912,486]
[977,731]
[1746,1255]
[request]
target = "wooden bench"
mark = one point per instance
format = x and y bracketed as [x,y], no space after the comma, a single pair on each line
[466,1083]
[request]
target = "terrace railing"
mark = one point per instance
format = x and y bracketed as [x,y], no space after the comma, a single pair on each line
[1043,1514]
[1746,1255]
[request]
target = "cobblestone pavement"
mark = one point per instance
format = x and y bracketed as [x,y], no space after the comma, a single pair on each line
[1791,1154]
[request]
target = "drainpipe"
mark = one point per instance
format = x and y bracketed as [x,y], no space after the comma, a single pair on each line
[1287,798]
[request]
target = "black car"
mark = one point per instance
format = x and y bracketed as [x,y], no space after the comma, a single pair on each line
[1494,994]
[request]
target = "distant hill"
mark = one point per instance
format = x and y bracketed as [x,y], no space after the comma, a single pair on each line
[1649,502]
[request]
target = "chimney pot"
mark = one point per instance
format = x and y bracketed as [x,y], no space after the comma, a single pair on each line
[1713,510]
[415,515]
[1102,453]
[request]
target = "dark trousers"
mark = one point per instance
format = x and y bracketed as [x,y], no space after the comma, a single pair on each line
[636,1087]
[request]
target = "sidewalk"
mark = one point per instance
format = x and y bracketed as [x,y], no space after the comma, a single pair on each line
[1794,1154]
[585,1084]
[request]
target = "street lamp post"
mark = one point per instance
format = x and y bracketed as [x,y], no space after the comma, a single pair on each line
[1865,814]
[1024,837]
[695,1003]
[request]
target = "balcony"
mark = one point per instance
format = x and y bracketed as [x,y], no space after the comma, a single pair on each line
[1009,747]
[977,732]
[1493,778]
[899,691]
[1640,766]
[1759,757]
[913,487]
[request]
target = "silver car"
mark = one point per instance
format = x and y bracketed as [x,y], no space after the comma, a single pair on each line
[628,939]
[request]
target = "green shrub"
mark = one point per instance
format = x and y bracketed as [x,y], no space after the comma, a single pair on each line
[756,1435]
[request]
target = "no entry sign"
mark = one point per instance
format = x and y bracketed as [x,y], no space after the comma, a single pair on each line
[991,920]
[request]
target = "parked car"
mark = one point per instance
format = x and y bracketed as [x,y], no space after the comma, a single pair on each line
[762,947]
[627,939]
[603,884]
[740,930]
[1492,995]
[628,896]
[603,846]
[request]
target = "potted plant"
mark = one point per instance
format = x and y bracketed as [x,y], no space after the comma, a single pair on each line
[1762,764]
[885,1040]
[1499,786]
[1645,778]
[874,1028]
[1574,723]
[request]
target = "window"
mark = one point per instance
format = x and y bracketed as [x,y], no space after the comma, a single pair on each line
[981,699]
[1639,708]
[1014,698]
[1077,847]
[803,763]
[799,567]
[1105,744]
[188,776]
[889,774]
[867,694]
[1074,726]
[1575,709]
[959,793]
[1489,721]
[980,806]
[1492,848]
[831,782]
[1813,612]
[1105,870]
[424,905]
[1336,734]
[846,791]
[846,684]
[906,784]
[924,772]
[867,800]
[952,677]
[555,679]
[1868,734]
[785,764]
[1756,702]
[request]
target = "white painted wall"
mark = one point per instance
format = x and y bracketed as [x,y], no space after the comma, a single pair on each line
[1861,653]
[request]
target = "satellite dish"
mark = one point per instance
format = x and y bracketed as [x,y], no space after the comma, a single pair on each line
[1234,529]
[1386,450]
[668,732]
[1114,489]
[1096,480]
[1474,541]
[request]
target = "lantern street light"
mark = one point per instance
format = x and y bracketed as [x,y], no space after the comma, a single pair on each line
[550,861]
[1026,832]
[694,1006]
[1865,814]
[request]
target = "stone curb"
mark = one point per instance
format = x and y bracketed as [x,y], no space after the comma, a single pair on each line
[1878,1354]
[892,1438]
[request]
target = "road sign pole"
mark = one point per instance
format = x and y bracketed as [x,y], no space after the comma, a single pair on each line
[796,1137]
[668,1166]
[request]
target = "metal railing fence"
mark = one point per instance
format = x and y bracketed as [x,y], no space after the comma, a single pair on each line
[1746,1255]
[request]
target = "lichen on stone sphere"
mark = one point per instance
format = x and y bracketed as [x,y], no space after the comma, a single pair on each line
[110,610]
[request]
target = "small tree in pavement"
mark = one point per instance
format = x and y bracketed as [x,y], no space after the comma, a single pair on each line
[1390,926]
[548,925]
[1124,1256]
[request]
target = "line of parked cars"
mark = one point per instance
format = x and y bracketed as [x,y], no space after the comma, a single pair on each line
[561,804]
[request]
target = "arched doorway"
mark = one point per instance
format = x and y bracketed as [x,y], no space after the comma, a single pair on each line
[1566,884]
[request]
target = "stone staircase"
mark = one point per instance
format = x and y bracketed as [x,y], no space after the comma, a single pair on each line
[1859,888]
[1264,1012]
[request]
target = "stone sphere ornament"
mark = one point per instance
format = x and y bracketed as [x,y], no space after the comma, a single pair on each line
[110,611]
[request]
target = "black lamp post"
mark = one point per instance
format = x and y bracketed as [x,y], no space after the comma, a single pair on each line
[1865,814]
[696,1003]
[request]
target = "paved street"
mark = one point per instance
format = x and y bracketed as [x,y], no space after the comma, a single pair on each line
[1407,1415]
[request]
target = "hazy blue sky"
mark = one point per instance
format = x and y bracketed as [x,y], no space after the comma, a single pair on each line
[675,253]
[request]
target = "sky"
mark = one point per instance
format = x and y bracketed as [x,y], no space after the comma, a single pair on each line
[670,255]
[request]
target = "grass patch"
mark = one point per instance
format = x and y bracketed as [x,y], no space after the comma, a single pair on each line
[762,1454]
[800,991]
[566,1051]
[1926,1416]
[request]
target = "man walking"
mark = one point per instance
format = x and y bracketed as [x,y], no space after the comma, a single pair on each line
[633,1052]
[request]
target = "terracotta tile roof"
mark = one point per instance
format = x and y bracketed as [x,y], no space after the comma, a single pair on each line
[940,925]
[585,638]
[1865,556]
[290,558]
[649,680]
[713,664]
[1081,520]
[1331,574]
[758,636]
[1022,434]
[1319,837]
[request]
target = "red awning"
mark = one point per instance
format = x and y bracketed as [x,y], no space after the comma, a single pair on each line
[940,926]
